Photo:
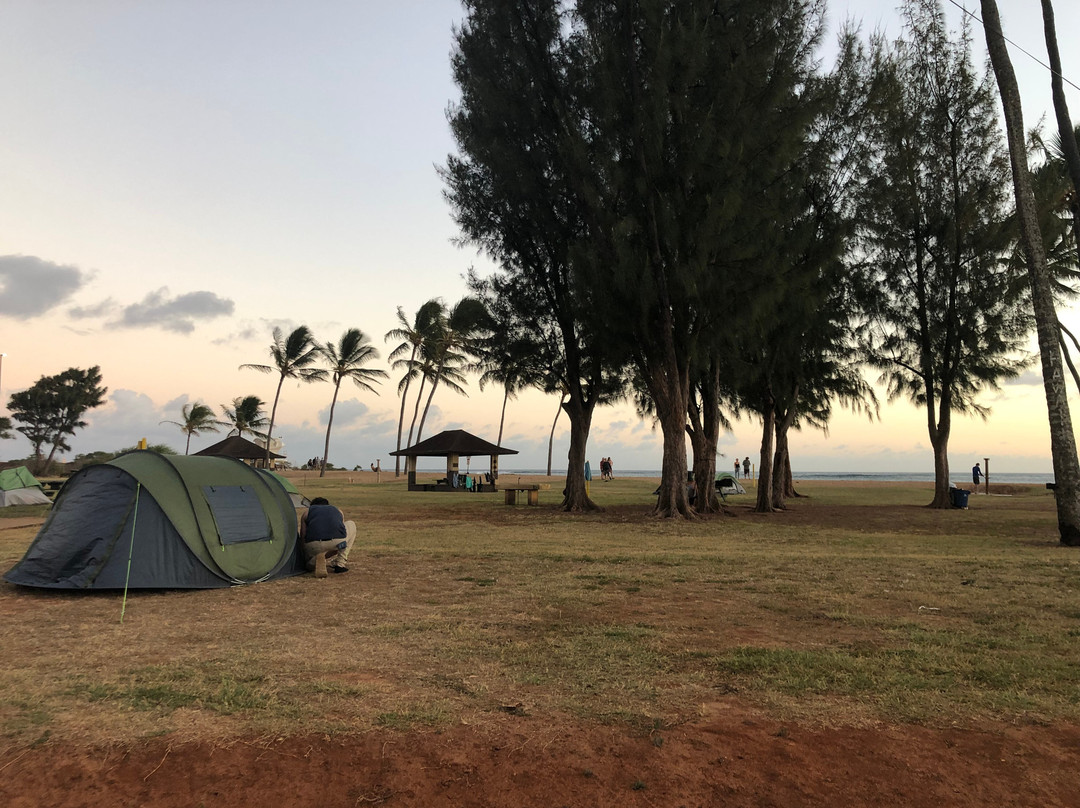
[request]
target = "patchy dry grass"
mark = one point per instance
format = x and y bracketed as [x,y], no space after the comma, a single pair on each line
[854,606]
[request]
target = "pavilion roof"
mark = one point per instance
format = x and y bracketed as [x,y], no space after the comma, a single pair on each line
[453,442]
[238,447]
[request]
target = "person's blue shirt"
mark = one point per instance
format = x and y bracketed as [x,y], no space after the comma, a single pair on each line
[324,522]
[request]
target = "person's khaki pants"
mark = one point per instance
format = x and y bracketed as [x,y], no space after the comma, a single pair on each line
[313,548]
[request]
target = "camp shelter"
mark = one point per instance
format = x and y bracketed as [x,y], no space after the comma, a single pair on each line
[177,522]
[19,487]
[453,444]
[239,448]
[727,484]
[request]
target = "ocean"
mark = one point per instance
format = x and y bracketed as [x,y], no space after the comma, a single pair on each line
[963,476]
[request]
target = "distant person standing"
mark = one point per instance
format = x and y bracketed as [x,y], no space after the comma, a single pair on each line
[746,468]
[737,468]
[976,474]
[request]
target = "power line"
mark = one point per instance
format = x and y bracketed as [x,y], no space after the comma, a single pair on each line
[1027,53]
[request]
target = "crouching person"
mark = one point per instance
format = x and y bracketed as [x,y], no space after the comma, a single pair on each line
[326,537]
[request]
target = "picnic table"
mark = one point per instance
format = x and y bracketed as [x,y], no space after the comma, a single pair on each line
[531,490]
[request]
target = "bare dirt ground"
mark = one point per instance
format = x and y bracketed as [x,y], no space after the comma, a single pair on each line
[726,755]
[727,758]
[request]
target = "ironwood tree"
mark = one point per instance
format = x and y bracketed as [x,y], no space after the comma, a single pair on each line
[631,145]
[514,190]
[947,321]
[51,410]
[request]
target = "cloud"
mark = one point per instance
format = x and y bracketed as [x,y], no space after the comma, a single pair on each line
[102,309]
[263,331]
[1027,378]
[346,413]
[30,286]
[177,314]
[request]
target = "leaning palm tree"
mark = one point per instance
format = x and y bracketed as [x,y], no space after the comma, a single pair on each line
[197,418]
[457,340]
[293,359]
[511,363]
[245,415]
[413,339]
[1062,438]
[346,361]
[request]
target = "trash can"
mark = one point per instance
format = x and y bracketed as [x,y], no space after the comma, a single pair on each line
[959,497]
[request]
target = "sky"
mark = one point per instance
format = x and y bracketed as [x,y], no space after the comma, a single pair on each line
[178,177]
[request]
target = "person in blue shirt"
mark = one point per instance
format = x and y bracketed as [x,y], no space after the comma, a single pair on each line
[976,474]
[326,538]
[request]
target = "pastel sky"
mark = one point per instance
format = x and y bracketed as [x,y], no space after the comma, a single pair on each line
[177,177]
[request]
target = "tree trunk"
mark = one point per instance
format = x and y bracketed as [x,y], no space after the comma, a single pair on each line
[551,437]
[764,478]
[672,500]
[580,414]
[401,414]
[431,395]
[187,446]
[273,415]
[329,424]
[941,473]
[502,417]
[789,480]
[704,433]
[781,463]
[416,409]
[939,441]
[1062,440]
[1069,149]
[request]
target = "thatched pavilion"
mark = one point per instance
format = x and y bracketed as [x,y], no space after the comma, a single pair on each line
[241,449]
[453,444]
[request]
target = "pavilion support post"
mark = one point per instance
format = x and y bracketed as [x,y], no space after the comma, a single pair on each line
[452,470]
[494,467]
[410,470]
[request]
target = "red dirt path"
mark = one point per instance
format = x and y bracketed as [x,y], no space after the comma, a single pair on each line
[727,758]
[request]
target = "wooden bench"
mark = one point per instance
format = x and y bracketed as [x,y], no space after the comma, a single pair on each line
[533,492]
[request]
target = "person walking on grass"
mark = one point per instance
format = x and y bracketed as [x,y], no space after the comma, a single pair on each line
[326,537]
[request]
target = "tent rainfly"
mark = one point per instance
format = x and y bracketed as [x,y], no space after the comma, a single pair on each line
[19,487]
[151,521]
[453,444]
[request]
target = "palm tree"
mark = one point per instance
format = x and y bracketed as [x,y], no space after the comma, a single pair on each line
[197,418]
[347,360]
[1062,439]
[293,357]
[246,415]
[413,338]
[511,363]
[456,340]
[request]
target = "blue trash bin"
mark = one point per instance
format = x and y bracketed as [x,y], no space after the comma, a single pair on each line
[959,497]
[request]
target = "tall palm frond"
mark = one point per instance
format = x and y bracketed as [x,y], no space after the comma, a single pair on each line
[346,360]
[293,358]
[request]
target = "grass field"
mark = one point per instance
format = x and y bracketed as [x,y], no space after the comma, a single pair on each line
[857,605]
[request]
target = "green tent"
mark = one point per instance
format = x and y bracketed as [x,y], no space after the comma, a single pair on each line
[146,520]
[19,487]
